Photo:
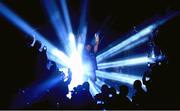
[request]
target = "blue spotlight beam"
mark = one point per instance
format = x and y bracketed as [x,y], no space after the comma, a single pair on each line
[126,62]
[93,89]
[100,83]
[121,77]
[66,15]
[139,35]
[82,30]
[26,28]
[72,41]
[134,44]
[116,49]
[57,22]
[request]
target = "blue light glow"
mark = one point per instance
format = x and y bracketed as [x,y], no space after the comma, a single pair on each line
[139,35]
[134,44]
[93,90]
[57,23]
[100,83]
[26,28]
[66,15]
[72,43]
[126,62]
[82,29]
[116,49]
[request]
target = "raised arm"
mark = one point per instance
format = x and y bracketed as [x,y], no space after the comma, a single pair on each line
[96,42]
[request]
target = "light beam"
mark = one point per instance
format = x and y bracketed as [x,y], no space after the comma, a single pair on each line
[139,35]
[126,62]
[115,49]
[57,23]
[66,15]
[26,28]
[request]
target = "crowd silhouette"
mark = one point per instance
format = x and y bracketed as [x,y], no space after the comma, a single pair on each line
[35,68]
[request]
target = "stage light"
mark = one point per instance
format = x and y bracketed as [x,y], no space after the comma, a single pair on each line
[126,62]
[82,39]
[76,67]
[80,47]
[100,83]
[66,15]
[134,44]
[58,54]
[72,43]
[26,28]
[139,35]
[115,49]
[57,23]
[82,29]
[93,90]
[121,77]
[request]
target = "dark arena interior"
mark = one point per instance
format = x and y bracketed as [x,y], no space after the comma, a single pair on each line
[90,54]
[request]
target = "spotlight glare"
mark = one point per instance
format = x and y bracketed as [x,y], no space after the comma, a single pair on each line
[57,23]
[100,83]
[82,26]
[139,35]
[66,15]
[117,48]
[72,43]
[23,26]
[93,90]
[134,44]
[76,67]
[60,55]
[126,62]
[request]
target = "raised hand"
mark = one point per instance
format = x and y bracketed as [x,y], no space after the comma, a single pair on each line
[96,37]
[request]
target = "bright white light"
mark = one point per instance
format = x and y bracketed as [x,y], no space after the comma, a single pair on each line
[72,43]
[60,55]
[80,48]
[77,70]
[127,62]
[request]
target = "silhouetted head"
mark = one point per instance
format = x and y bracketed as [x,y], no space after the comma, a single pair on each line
[104,88]
[124,90]
[112,90]
[44,49]
[37,45]
[29,40]
[53,66]
[137,84]
[86,85]
[79,88]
